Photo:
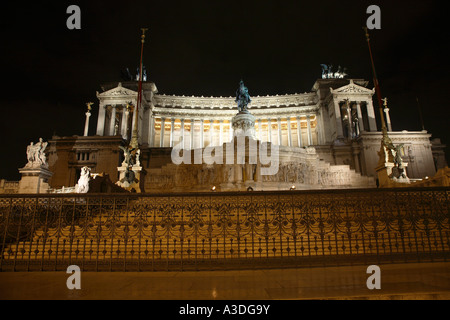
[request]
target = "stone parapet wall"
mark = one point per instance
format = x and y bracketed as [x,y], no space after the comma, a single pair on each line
[189,231]
[9,186]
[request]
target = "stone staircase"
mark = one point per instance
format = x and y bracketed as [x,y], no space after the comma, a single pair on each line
[297,168]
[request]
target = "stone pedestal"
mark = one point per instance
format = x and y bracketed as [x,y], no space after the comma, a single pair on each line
[389,175]
[133,185]
[244,125]
[34,180]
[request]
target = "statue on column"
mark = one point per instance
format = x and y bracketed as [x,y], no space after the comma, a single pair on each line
[242,98]
[243,123]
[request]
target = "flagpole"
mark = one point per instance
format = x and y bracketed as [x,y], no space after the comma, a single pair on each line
[134,139]
[377,86]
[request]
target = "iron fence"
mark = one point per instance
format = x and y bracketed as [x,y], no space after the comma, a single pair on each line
[208,231]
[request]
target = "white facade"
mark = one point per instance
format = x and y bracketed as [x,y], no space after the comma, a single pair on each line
[337,117]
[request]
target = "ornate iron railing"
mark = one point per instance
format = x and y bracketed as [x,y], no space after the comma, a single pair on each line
[138,232]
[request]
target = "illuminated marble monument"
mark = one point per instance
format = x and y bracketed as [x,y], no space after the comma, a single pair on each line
[333,125]
[245,162]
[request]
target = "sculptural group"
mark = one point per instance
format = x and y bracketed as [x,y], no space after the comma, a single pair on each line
[35,154]
[328,73]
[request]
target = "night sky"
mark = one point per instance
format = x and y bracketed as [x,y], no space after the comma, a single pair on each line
[205,48]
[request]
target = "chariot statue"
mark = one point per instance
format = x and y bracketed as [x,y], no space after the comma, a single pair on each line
[328,73]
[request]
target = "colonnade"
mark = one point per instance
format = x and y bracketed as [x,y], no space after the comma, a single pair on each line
[115,120]
[191,133]
[354,117]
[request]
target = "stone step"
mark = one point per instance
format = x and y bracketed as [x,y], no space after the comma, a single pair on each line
[155,255]
[23,250]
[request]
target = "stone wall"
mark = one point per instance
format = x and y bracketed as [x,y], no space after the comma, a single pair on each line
[417,152]
[300,168]
[67,155]
[8,187]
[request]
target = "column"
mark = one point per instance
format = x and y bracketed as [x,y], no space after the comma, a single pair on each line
[133,123]
[124,129]
[337,111]
[260,129]
[360,118]
[112,123]
[101,120]
[349,119]
[211,124]
[299,132]
[320,128]
[86,124]
[151,129]
[182,134]
[279,131]
[191,142]
[270,130]
[289,132]
[308,122]
[388,119]
[371,115]
[161,138]
[221,132]
[230,132]
[172,128]
[202,128]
